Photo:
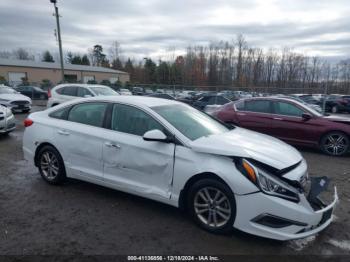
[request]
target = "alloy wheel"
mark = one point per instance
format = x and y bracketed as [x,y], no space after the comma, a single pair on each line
[336,144]
[49,165]
[212,207]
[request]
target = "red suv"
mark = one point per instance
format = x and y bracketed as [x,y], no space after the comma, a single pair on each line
[291,121]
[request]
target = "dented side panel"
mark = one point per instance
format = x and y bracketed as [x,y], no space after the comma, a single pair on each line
[139,166]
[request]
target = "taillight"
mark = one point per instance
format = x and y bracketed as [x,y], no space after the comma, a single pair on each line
[28,122]
[344,101]
[49,93]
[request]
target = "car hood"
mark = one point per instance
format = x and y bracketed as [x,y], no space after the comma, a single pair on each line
[241,142]
[340,119]
[14,97]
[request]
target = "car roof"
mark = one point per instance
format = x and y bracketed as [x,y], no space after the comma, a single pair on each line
[77,84]
[143,101]
[275,98]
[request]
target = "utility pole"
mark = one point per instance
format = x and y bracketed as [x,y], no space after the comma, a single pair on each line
[59,37]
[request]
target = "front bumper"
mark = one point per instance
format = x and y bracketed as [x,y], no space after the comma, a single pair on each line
[300,219]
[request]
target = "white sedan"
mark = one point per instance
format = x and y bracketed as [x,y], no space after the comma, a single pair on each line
[7,120]
[170,152]
[14,100]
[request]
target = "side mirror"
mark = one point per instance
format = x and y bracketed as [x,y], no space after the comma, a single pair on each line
[306,116]
[156,135]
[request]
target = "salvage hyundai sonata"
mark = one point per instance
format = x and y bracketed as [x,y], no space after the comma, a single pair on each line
[225,177]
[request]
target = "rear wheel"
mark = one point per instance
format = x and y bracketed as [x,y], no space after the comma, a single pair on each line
[211,204]
[51,165]
[335,144]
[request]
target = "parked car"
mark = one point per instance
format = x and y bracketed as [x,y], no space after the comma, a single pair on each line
[67,92]
[290,121]
[125,92]
[32,91]
[14,100]
[223,177]
[164,96]
[7,120]
[206,100]
[337,103]
[136,90]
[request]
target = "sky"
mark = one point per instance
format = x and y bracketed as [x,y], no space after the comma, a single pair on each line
[157,28]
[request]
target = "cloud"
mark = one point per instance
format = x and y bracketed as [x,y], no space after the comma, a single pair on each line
[149,28]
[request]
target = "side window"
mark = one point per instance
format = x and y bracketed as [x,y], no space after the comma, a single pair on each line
[287,109]
[70,91]
[61,113]
[258,106]
[88,113]
[131,120]
[82,92]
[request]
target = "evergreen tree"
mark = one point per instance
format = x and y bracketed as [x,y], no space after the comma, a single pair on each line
[47,57]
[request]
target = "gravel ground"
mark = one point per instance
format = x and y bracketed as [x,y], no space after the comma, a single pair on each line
[79,218]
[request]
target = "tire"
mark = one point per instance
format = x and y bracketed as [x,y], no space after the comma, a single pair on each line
[335,144]
[50,159]
[334,109]
[224,212]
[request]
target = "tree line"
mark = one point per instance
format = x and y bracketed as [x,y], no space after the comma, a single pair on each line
[224,63]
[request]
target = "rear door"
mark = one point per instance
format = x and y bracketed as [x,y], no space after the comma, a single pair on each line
[131,163]
[78,138]
[67,93]
[255,115]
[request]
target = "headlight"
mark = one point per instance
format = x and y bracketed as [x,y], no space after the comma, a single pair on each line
[266,182]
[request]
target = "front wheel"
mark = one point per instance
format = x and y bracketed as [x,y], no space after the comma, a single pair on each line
[212,205]
[335,109]
[335,144]
[51,165]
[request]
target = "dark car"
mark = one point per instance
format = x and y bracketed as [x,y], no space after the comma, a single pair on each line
[160,95]
[290,121]
[33,92]
[338,103]
[136,90]
[206,100]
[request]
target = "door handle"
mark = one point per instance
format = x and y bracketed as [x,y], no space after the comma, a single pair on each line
[278,118]
[63,132]
[109,144]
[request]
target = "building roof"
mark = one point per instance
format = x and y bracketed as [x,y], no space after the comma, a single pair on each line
[30,63]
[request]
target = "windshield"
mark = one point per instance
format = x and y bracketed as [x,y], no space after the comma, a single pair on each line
[190,122]
[103,91]
[7,91]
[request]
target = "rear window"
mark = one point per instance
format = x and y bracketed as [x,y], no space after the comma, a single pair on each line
[68,91]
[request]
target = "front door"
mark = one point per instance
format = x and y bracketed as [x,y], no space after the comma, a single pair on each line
[289,125]
[131,163]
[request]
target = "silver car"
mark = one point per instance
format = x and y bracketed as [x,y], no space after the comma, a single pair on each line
[7,120]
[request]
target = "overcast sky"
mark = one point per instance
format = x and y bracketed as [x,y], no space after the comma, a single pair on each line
[148,28]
